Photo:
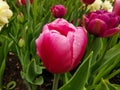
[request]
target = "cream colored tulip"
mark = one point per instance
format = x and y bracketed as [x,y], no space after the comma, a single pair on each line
[107,5]
[5,13]
[95,6]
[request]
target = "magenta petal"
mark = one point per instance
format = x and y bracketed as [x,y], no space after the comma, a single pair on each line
[86,20]
[116,8]
[79,45]
[38,45]
[61,26]
[58,58]
[96,26]
[111,32]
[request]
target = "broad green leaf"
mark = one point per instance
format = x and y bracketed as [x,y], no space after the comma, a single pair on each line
[108,57]
[106,69]
[33,73]
[79,79]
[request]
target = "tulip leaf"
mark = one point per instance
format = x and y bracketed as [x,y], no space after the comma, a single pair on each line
[102,86]
[2,68]
[96,47]
[110,55]
[79,79]
[106,69]
[111,86]
[106,85]
[32,47]
[33,74]
[4,48]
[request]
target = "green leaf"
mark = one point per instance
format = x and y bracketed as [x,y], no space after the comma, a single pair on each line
[4,48]
[2,68]
[96,48]
[106,69]
[102,86]
[108,57]
[79,79]
[33,73]
[111,86]
[106,85]
[33,47]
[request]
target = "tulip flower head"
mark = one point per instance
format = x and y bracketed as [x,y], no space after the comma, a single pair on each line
[102,23]
[58,11]
[87,2]
[5,13]
[61,46]
[116,7]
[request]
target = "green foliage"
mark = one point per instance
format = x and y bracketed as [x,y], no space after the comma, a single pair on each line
[4,47]
[79,79]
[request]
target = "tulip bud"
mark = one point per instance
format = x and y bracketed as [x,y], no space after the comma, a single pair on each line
[61,46]
[58,11]
[102,23]
[20,17]
[21,42]
[116,7]
[87,2]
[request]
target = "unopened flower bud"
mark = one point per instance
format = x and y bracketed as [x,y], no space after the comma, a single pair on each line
[87,2]
[20,17]
[21,42]
[58,11]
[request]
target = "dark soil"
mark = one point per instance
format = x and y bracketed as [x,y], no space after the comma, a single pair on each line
[12,73]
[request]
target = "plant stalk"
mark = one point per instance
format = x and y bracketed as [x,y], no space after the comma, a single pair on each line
[56,81]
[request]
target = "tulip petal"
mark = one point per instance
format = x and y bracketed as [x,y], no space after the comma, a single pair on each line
[54,50]
[116,8]
[113,22]
[96,26]
[86,20]
[61,26]
[79,45]
[110,32]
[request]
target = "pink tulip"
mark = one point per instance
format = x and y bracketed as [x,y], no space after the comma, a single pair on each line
[102,23]
[87,2]
[58,11]
[116,7]
[61,46]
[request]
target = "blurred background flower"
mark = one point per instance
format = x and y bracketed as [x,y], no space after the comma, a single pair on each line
[23,2]
[99,4]
[102,23]
[87,2]
[5,13]
[116,8]
[58,11]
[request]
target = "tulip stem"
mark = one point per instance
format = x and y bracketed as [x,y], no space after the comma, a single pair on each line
[56,81]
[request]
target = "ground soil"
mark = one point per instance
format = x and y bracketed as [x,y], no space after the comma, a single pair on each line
[12,73]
